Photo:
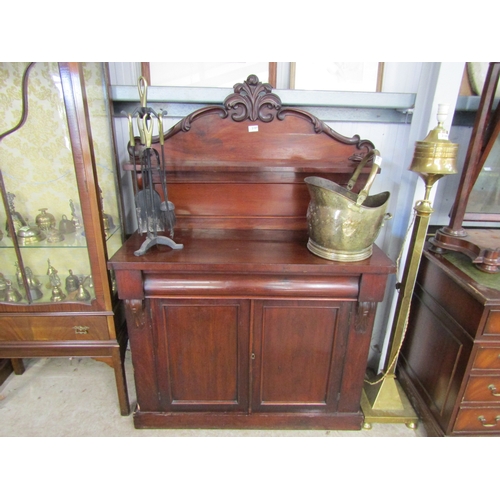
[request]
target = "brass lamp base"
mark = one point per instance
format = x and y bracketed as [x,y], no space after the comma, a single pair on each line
[386,403]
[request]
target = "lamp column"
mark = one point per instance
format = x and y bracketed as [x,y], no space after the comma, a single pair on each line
[384,400]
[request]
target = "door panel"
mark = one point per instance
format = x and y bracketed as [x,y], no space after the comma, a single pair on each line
[294,355]
[202,349]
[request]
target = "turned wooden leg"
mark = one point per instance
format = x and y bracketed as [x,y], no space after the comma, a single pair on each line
[18,365]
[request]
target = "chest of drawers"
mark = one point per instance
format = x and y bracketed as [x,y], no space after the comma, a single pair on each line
[450,360]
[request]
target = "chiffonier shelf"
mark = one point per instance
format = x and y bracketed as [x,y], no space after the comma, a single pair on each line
[244,327]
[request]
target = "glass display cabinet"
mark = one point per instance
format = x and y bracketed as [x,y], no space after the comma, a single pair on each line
[59,216]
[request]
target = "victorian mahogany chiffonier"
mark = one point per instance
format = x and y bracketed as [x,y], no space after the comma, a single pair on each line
[244,327]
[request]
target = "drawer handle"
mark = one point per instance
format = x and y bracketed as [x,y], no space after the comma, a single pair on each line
[493,389]
[81,330]
[483,420]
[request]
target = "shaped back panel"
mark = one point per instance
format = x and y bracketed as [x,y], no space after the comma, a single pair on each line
[242,165]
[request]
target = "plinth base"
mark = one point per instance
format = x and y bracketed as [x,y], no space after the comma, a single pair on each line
[404,414]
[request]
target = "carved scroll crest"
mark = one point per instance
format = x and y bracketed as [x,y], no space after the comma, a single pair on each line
[252,100]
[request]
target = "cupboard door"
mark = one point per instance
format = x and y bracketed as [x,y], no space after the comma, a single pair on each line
[202,354]
[297,355]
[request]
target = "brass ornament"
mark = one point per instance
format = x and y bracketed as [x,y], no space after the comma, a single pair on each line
[74,218]
[29,235]
[72,282]
[17,219]
[107,220]
[343,225]
[44,220]
[54,236]
[3,287]
[57,295]
[55,284]
[83,294]
[34,284]
[11,294]
[66,226]
[19,275]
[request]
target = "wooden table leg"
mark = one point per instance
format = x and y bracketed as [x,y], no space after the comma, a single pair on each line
[18,365]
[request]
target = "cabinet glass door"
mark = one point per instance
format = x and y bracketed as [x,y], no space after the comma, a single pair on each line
[46,260]
[96,85]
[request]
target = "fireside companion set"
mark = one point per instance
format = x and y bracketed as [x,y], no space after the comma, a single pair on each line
[257,311]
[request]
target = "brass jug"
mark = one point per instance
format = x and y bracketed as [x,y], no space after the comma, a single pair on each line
[343,225]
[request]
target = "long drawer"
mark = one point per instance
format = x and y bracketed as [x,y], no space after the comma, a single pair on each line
[52,328]
[478,420]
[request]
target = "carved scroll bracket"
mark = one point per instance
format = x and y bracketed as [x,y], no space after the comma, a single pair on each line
[135,309]
[364,312]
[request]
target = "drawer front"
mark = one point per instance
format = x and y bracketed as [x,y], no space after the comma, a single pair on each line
[487,358]
[52,328]
[483,389]
[484,420]
[492,326]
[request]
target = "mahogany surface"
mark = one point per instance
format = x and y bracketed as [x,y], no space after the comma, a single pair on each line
[244,327]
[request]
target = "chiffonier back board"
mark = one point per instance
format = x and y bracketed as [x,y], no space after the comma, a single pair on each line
[242,164]
[243,326]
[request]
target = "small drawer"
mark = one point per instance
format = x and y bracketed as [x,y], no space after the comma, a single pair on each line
[492,326]
[53,328]
[485,420]
[487,358]
[483,389]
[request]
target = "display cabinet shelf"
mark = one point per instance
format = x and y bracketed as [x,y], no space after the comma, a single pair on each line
[72,240]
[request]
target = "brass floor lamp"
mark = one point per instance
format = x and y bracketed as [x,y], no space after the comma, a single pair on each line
[383,400]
